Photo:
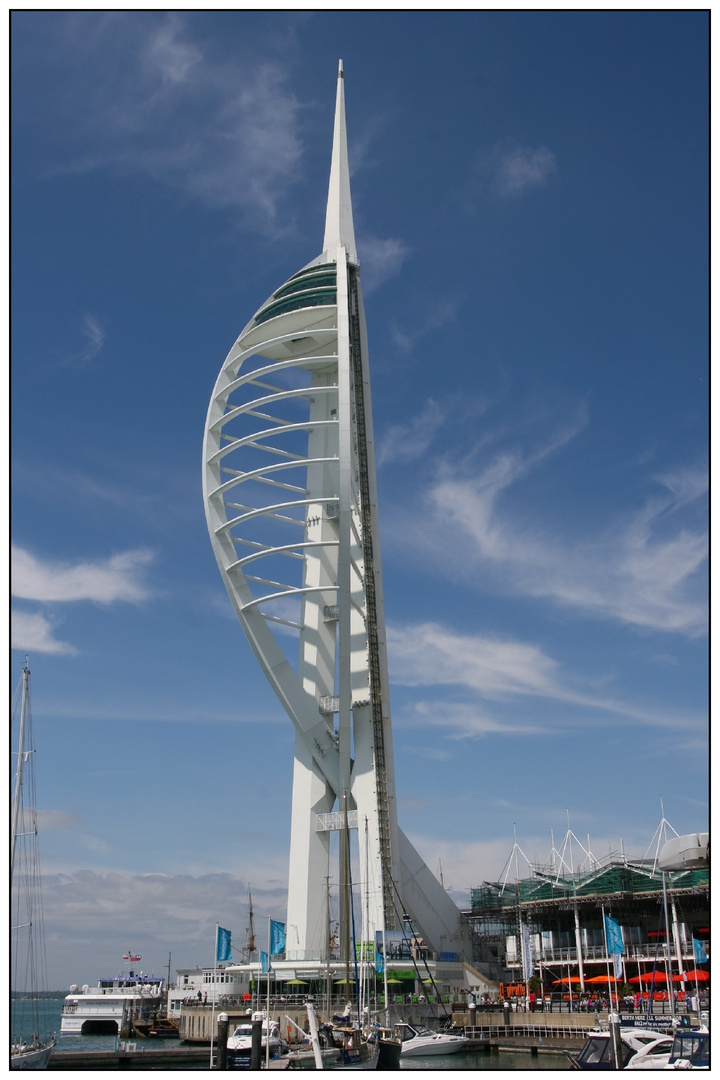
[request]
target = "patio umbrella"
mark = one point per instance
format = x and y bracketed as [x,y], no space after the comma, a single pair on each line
[598,979]
[647,977]
[296,982]
[700,976]
[564,982]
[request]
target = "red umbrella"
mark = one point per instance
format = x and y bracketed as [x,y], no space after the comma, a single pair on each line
[647,977]
[598,979]
[573,979]
[701,976]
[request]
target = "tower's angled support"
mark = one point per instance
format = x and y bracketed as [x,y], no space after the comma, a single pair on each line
[291,504]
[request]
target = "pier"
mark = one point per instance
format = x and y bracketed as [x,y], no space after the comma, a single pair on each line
[190,1057]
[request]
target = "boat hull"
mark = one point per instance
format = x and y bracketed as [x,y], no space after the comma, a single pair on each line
[34,1058]
[433,1047]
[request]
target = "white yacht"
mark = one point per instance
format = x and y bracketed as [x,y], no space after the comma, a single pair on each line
[422,1042]
[642,1048]
[112,1005]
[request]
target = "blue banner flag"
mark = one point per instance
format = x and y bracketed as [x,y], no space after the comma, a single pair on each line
[619,966]
[264,967]
[613,936]
[699,952]
[379,963]
[277,937]
[223,945]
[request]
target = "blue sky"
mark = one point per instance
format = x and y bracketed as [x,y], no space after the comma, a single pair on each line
[530,194]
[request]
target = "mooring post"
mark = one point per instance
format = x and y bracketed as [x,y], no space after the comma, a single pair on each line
[222,1038]
[256,1043]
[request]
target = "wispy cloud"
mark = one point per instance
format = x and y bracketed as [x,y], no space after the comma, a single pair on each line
[33,633]
[643,567]
[441,311]
[104,581]
[94,336]
[224,133]
[380,260]
[511,169]
[486,669]
[408,442]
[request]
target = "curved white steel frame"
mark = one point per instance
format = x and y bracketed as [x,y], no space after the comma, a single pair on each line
[289,432]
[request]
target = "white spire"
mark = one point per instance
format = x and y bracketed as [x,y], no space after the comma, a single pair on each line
[338,219]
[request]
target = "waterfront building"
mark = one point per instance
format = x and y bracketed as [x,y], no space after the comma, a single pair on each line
[556,912]
[290,494]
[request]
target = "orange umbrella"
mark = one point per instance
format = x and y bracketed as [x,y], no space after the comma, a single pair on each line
[572,979]
[648,977]
[598,979]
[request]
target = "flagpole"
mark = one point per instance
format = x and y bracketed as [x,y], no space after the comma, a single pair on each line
[267,1034]
[212,1022]
[615,1044]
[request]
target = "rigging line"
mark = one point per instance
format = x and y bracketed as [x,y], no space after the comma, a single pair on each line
[424,955]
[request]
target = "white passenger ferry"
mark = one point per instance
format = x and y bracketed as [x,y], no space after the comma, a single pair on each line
[110,1007]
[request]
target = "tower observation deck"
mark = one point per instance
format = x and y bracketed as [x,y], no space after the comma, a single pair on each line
[290,493]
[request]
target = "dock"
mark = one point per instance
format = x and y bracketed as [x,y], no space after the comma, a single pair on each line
[534,1039]
[191,1057]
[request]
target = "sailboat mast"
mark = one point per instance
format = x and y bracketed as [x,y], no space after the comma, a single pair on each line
[20,765]
[251,929]
[345,893]
[328,983]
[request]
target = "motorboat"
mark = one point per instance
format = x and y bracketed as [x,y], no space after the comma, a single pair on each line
[422,1042]
[239,1044]
[642,1048]
[30,1046]
[690,1049]
[113,1005]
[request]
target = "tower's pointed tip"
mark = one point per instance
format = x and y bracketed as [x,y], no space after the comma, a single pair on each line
[338,219]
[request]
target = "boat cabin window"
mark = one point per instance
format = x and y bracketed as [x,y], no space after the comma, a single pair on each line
[595,1054]
[692,1048]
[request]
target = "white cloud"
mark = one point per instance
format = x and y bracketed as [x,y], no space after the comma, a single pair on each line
[116,578]
[94,336]
[33,633]
[92,918]
[407,442]
[224,133]
[484,669]
[514,169]
[441,312]
[428,654]
[380,260]
[640,569]
[56,819]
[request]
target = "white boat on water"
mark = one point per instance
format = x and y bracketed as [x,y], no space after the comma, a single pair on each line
[111,1006]
[239,1044]
[30,1047]
[422,1042]
[642,1048]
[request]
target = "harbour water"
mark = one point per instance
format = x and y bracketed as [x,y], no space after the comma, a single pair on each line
[502,1061]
